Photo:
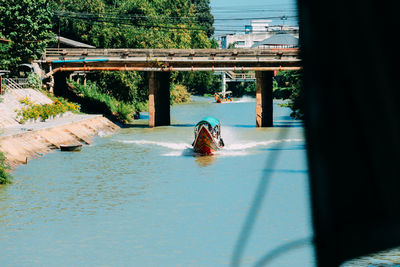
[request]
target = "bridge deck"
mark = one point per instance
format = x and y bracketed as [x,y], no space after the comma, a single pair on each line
[171,59]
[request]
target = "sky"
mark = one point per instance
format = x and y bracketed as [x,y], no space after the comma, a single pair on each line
[231,15]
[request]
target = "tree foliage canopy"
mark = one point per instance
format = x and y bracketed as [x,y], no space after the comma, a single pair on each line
[30,24]
[132,23]
[27,24]
[138,24]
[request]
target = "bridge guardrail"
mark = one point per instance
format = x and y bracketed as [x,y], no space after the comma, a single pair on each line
[95,59]
[118,53]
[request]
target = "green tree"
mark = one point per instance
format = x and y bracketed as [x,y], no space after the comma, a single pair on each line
[27,24]
[5,60]
[297,97]
[204,15]
[242,88]
[289,85]
[200,83]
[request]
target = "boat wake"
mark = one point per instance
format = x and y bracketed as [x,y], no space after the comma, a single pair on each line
[175,146]
[230,150]
[245,99]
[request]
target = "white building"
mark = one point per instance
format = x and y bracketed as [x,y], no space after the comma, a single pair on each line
[243,40]
[259,25]
[256,32]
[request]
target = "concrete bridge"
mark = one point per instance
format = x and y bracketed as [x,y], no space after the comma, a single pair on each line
[161,62]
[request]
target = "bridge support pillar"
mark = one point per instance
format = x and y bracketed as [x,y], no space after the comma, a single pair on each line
[223,82]
[59,84]
[264,98]
[159,99]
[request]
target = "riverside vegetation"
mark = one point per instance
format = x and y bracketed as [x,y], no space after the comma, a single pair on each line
[44,111]
[5,177]
[288,85]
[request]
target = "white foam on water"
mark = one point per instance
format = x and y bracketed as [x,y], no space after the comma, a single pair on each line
[245,99]
[242,149]
[248,145]
[230,150]
[175,146]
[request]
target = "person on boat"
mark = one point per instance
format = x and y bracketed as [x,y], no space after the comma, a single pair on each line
[221,142]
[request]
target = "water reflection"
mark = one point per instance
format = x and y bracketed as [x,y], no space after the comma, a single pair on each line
[204,161]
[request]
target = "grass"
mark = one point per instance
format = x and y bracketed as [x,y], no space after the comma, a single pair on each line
[119,109]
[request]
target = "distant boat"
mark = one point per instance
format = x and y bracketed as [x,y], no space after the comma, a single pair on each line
[207,136]
[222,97]
[76,147]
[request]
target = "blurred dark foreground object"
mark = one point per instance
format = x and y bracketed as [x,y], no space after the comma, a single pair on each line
[352,118]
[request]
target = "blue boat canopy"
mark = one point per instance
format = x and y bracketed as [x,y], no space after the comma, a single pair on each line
[210,120]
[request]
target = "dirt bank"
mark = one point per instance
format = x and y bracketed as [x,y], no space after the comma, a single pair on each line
[27,143]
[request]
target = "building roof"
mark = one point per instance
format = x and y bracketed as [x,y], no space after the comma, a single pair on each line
[73,43]
[279,39]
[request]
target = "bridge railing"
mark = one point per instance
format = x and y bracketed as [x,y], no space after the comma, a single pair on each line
[78,59]
[244,76]
[124,53]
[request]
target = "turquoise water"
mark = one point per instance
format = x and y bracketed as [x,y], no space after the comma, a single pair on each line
[141,198]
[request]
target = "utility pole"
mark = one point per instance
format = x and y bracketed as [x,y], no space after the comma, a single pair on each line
[223,84]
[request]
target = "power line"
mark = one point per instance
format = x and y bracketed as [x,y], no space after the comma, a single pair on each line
[136,16]
[125,25]
[119,20]
[172,23]
[122,17]
[255,18]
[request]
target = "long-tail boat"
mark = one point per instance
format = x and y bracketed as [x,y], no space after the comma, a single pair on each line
[207,136]
[223,97]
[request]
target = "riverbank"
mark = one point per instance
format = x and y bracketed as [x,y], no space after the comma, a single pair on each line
[23,142]
[32,141]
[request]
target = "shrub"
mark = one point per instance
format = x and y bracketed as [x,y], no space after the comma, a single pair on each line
[34,81]
[123,111]
[179,94]
[5,177]
[35,111]
[289,85]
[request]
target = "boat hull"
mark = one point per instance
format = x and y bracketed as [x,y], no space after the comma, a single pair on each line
[221,98]
[204,143]
[77,147]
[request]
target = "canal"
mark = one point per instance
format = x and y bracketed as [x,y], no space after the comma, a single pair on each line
[141,198]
